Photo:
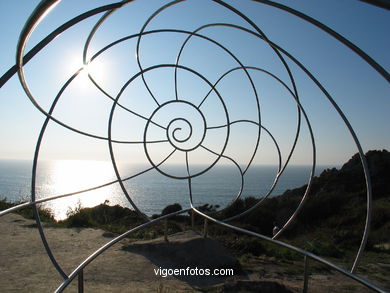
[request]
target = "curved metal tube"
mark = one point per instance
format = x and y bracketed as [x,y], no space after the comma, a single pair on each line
[174,140]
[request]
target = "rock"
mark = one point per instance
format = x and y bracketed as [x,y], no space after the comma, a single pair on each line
[189,251]
[186,249]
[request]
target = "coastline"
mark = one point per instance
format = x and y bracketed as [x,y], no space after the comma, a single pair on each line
[327,227]
[151,191]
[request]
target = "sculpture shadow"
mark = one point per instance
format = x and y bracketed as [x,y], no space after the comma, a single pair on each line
[196,259]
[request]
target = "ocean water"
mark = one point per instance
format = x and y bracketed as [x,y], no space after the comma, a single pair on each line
[151,191]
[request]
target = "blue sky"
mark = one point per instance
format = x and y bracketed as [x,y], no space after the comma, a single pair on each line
[360,92]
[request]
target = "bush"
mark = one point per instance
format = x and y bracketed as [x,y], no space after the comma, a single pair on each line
[4,204]
[171,209]
[45,214]
[77,217]
[324,248]
[80,219]
[284,253]
[246,244]
[116,218]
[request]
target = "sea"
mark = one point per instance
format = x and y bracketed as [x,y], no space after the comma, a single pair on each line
[149,189]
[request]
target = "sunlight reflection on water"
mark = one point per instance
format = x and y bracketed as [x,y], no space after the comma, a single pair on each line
[63,177]
[151,191]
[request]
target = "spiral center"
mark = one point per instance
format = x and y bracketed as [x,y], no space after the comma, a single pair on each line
[187,126]
[179,130]
[184,124]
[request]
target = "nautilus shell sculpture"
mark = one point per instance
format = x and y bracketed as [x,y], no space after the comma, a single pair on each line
[185,106]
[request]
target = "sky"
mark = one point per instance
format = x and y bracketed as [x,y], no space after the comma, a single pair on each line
[361,93]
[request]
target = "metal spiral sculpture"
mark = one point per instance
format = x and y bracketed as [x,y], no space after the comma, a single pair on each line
[180,124]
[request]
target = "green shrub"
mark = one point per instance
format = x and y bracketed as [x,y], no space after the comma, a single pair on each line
[171,209]
[4,204]
[245,245]
[282,253]
[324,248]
[45,214]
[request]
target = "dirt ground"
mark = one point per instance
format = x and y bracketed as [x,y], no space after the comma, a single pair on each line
[25,267]
[130,267]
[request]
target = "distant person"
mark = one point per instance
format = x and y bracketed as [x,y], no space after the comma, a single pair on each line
[276,229]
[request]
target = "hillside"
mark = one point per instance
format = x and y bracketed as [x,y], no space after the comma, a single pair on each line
[336,208]
[333,216]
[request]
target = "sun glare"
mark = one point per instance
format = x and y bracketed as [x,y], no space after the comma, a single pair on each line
[73,175]
[94,69]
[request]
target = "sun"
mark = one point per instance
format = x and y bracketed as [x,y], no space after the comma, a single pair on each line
[94,69]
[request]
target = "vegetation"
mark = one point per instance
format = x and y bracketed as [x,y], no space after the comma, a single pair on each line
[333,217]
[44,214]
[331,223]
